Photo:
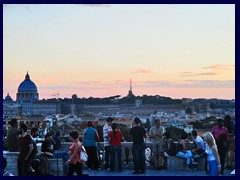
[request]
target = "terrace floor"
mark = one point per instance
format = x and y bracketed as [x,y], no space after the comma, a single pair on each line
[150,172]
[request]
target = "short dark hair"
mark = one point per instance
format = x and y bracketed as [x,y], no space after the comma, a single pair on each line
[137,120]
[168,135]
[48,135]
[184,135]
[58,132]
[89,124]
[13,121]
[34,129]
[74,134]
[194,133]
[23,127]
[110,119]
[157,120]
[220,120]
[227,117]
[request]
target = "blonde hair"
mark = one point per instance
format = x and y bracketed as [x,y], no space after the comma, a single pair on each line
[209,139]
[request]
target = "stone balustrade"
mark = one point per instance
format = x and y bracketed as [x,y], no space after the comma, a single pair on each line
[173,162]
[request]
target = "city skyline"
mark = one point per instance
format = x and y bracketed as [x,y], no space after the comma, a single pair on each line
[177,51]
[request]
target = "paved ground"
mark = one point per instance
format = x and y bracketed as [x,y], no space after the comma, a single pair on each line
[151,172]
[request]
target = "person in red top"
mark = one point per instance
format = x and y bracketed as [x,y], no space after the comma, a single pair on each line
[115,137]
[220,134]
[75,164]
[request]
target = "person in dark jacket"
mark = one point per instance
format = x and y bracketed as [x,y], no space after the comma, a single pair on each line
[138,134]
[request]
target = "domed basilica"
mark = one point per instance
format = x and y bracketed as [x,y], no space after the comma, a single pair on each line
[27,91]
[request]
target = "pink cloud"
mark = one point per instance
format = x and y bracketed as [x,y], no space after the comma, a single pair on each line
[199,74]
[142,70]
[220,67]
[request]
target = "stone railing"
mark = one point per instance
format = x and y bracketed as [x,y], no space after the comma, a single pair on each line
[55,166]
[173,162]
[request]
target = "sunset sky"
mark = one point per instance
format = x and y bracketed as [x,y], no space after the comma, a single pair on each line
[170,50]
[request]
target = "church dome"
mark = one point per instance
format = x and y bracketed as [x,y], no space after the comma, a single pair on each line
[27,85]
[8,98]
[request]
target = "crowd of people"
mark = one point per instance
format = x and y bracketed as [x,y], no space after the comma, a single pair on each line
[214,147]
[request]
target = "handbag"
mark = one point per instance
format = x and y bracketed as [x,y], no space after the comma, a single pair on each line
[83,154]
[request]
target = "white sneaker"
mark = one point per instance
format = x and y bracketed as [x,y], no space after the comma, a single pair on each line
[165,154]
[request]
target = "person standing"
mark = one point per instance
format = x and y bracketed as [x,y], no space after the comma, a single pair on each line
[156,132]
[12,136]
[75,164]
[107,148]
[115,137]
[212,154]
[220,134]
[228,123]
[90,135]
[25,146]
[138,134]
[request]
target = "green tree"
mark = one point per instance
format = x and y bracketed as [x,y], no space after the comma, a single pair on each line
[125,132]
[147,124]
[175,132]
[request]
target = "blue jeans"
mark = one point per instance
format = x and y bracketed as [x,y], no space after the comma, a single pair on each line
[118,150]
[188,155]
[213,170]
[138,151]
[65,156]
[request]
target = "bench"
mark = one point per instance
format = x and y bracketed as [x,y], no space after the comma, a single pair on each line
[179,163]
[52,164]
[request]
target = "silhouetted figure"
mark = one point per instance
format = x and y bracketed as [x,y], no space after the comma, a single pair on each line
[12,136]
[220,133]
[138,134]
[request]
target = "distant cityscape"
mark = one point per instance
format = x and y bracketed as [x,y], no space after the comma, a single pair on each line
[73,113]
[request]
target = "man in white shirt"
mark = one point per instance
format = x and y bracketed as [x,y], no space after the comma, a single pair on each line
[199,150]
[106,129]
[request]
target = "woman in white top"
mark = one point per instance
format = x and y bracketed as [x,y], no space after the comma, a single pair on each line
[212,154]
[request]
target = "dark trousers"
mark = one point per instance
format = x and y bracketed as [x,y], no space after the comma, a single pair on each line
[127,155]
[23,167]
[138,151]
[92,161]
[222,154]
[118,150]
[107,153]
[75,168]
